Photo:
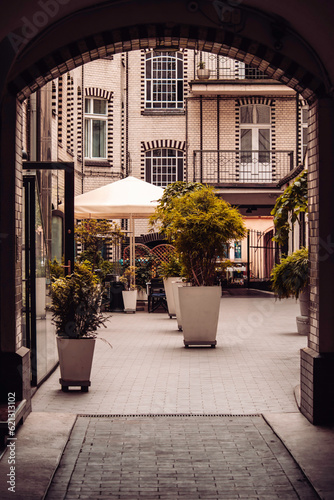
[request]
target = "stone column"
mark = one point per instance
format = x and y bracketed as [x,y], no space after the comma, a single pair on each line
[317,360]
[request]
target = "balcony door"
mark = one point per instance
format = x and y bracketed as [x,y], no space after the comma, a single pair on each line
[255,143]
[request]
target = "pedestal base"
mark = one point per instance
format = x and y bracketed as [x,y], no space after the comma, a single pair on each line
[317,387]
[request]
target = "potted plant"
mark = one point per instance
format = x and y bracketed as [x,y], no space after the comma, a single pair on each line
[202,72]
[289,278]
[130,292]
[199,224]
[75,305]
[171,272]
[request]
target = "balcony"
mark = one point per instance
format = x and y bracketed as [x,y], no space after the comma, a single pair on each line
[230,77]
[233,168]
[225,68]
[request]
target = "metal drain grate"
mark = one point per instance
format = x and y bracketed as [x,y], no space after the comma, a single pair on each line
[166,415]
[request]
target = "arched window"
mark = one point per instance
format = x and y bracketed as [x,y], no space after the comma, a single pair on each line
[164,166]
[164,80]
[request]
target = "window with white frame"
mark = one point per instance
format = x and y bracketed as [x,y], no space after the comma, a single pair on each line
[255,140]
[164,166]
[95,128]
[164,80]
[304,119]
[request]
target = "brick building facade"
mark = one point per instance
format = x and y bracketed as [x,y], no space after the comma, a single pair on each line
[156,120]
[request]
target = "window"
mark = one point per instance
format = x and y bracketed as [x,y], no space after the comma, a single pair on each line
[164,166]
[304,130]
[95,128]
[255,143]
[164,80]
[237,249]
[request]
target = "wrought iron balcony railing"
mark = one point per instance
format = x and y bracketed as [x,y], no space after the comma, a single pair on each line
[225,68]
[230,167]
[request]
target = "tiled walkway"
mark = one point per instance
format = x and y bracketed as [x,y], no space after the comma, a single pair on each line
[177,457]
[253,369]
[161,421]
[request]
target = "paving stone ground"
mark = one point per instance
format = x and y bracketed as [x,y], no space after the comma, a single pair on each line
[164,422]
[254,368]
[189,457]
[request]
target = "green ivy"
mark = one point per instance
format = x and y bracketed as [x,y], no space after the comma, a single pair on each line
[288,207]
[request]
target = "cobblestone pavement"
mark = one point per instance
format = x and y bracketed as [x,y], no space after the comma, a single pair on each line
[254,368]
[188,457]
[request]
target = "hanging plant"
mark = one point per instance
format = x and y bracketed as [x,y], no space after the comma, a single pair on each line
[288,207]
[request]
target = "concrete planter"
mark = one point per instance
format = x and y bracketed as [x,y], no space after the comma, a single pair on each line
[304,299]
[75,361]
[199,307]
[303,319]
[170,295]
[130,300]
[175,289]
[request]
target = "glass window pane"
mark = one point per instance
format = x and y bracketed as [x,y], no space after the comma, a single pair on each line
[237,250]
[87,138]
[99,139]
[100,107]
[148,68]
[87,105]
[246,114]
[262,113]
[304,115]
[264,145]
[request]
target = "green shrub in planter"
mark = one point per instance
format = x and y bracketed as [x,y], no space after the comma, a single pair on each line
[290,276]
[76,300]
[199,224]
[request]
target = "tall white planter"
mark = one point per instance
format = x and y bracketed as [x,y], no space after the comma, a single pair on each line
[199,307]
[175,289]
[303,319]
[75,362]
[170,295]
[130,300]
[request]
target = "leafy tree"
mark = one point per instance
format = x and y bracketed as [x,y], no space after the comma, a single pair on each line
[93,234]
[289,206]
[199,224]
[171,192]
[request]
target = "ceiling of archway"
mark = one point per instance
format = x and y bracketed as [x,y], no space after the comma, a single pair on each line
[86,42]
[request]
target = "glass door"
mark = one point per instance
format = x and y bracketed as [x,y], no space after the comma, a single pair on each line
[39,333]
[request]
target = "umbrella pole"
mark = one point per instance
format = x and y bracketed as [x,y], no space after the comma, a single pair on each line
[132,247]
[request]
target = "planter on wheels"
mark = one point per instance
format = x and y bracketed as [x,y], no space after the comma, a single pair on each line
[199,307]
[75,361]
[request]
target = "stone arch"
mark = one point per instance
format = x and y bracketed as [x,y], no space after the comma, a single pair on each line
[80,34]
[73,41]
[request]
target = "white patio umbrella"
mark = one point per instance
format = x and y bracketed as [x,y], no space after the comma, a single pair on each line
[128,198]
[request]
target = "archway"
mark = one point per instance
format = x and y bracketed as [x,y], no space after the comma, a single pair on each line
[52,37]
